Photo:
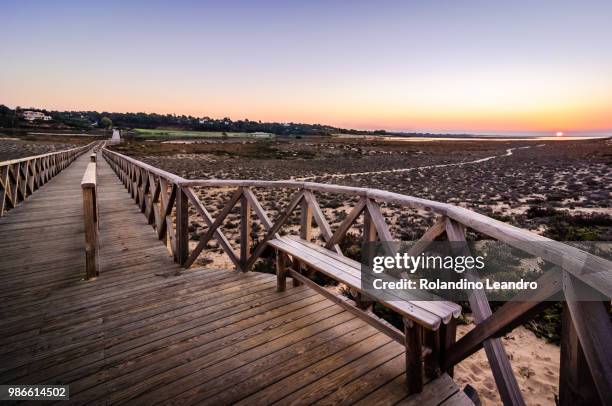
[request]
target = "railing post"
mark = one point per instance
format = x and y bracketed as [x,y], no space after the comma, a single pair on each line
[585,351]
[369,237]
[182,223]
[90,218]
[576,385]
[306,221]
[305,234]
[246,224]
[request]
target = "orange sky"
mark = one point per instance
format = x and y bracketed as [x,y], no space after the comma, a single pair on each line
[481,67]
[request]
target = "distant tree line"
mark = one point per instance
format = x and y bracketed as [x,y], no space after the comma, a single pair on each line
[10,118]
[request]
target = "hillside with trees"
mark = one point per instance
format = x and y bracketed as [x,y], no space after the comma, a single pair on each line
[84,120]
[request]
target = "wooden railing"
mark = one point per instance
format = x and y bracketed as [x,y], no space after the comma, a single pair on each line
[164,198]
[90,218]
[19,178]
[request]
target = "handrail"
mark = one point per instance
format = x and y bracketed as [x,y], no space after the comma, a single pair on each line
[19,178]
[90,218]
[29,158]
[167,175]
[592,269]
[159,194]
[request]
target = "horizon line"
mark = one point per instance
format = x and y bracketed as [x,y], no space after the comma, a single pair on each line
[436,131]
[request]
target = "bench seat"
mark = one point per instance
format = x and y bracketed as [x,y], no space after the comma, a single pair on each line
[429,314]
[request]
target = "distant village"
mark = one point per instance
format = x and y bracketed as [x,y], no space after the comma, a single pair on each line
[30,115]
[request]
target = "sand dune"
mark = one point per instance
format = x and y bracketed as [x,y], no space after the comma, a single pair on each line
[535,364]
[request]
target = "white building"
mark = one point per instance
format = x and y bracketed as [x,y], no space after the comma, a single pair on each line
[30,115]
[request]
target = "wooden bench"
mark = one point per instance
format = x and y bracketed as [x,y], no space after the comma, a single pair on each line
[429,326]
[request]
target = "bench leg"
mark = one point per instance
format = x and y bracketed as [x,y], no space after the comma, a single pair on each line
[433,340]
[414,354]
[281,271]
[448,336]
[297,266]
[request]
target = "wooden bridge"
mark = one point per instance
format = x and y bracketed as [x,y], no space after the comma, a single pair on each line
[92,299]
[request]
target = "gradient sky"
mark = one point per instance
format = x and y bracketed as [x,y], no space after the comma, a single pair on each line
[442,66]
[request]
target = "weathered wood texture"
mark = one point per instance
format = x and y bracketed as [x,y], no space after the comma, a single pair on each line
[148,331]
[591,270]
[90,218]
[347,271]
[19,178]
[129,335]
[42,241]
[589,322]
[499,363]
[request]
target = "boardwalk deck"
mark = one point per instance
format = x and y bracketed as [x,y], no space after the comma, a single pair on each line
[147,331]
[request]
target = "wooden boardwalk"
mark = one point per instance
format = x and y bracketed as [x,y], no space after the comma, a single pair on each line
[147,331]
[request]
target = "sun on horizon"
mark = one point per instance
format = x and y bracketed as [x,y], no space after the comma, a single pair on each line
[265,61]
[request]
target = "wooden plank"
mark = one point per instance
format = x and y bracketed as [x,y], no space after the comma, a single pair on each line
[355,370]
[458,399]
[246,228]
[186,375]
[210,324]
[352,392]
[434,393]
[271,357]
[254,376]
[376,322]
